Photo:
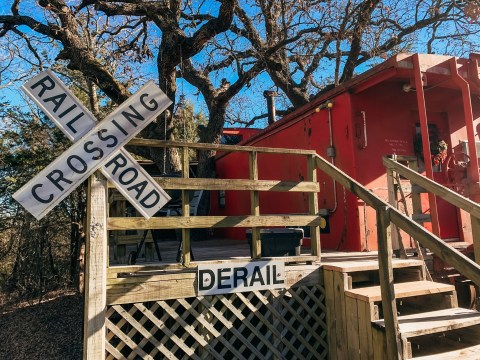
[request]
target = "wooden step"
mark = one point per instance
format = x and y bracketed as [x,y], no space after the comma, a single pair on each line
[460,245]
[367,265]
[468,353]
[402,290]
[434,321]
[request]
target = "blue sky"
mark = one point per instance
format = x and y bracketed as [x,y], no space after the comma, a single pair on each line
[249,103]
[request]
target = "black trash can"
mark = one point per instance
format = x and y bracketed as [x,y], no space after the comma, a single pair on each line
[278,242]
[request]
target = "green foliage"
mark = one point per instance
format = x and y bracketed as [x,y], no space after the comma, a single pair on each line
[186,123]
[35,255]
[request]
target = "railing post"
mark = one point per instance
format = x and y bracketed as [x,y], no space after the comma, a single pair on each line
[392,332]
[313,206]
[255,207]
[476,237]
[392,200]
[186,254]
[96,269]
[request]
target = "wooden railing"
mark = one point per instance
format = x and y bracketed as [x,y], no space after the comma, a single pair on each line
[445,193]
[386,214]
[253,185]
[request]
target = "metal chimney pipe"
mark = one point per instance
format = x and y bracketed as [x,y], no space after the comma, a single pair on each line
[270,96]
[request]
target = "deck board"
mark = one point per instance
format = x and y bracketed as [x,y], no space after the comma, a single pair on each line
[355,265]
[225,249]
[435,321]
[468,353]
[402,290]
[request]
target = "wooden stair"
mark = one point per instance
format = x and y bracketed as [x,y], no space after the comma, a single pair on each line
[431,324]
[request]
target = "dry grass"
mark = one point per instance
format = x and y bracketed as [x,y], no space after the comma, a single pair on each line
[50,329]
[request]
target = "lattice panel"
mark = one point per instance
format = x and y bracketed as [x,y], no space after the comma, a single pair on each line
[287,324]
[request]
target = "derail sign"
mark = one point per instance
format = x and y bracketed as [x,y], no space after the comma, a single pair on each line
[240,276]
[96,145]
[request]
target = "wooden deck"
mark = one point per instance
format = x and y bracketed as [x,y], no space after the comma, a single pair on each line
[215,249]
[228,249]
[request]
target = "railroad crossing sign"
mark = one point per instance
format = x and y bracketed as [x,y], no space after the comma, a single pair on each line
[96,146]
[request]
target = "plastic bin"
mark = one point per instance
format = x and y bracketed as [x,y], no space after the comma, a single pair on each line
[278,242]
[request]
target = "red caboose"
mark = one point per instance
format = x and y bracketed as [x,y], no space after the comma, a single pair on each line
[422,107]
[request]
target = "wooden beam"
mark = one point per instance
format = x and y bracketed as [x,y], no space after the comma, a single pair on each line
[349,183]
[313,207]
[247,221]
[230,184]
[219,147]
[96,273]
[186,255]
[476,237]
[237,184]
[392,200]
[123,289]
[151,270]
[255,206]
[385,253]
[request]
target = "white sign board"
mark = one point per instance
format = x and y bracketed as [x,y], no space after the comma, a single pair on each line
[95,149]
[59,104]
[75,120]
[240,276]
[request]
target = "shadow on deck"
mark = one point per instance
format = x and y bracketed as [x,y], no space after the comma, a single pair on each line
[226,249]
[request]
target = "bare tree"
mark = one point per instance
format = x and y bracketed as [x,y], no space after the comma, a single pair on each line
[303,45]
[217,100]
[64,26]
[299,41]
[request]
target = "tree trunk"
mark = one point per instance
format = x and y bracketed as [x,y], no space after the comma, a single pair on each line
[167,160]
[278,71]
[211,135]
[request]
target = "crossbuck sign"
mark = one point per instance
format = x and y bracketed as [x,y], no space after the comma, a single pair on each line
[97,146]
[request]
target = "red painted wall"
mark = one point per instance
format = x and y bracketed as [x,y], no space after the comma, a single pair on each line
[390,118]
[312,132]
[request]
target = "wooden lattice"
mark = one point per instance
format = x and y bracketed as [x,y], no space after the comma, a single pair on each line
[279,324]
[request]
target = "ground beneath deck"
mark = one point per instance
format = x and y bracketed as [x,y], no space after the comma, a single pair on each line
[50,328]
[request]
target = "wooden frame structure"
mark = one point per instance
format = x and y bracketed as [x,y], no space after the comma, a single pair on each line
[110,288]
[137,286]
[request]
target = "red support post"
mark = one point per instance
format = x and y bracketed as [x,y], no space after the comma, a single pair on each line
[427,155]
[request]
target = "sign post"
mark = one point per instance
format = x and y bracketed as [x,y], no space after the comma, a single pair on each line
[97,146]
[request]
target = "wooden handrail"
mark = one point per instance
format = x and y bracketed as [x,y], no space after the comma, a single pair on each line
[218,147]
[253,185]
[445,193]
[463,264]
[235,184]
[386,214]
[349,183]
[193,222]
